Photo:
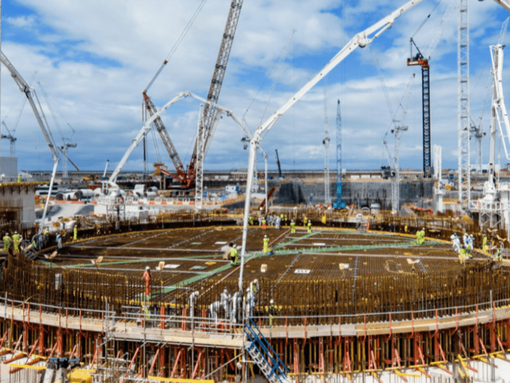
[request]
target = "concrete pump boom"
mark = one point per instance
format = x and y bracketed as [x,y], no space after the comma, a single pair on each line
[145,128]
[39,116]
[362,39]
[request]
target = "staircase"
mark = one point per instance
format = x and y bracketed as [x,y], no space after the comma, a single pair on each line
[264,355]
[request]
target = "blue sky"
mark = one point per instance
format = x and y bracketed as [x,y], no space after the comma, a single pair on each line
[94,59]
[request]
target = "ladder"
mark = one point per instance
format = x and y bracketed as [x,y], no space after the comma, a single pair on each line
[264,355]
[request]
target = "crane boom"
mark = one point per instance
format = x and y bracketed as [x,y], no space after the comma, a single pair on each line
[210,113]
[36,108]
[362,39]
[167,141]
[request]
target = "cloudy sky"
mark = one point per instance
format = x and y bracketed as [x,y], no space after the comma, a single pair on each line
[94,59]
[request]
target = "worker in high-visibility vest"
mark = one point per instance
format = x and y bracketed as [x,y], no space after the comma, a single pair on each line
[272,310]
[263,223]
[305,220]
[234,260]
[292,227]
[7,241]
[309,230]
[250,220]
[147,276]
[16,239]
[324,219]
[484,243]
[75,233]
[266,244]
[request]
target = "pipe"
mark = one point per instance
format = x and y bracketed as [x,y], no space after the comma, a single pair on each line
[214,308]
[192,300]
[236,305]
[225,302]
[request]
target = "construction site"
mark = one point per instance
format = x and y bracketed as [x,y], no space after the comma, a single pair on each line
[191,276]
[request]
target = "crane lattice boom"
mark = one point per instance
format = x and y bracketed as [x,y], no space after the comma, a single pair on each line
[210,113]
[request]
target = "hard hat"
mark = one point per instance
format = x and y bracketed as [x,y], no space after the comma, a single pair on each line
[265,236]
[235,245]
[147,268]
[271,301]
[423,229]
[15,232]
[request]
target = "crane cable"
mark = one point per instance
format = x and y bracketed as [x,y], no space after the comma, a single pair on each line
[276,66]
[156,148]
[177,43]
[426,19]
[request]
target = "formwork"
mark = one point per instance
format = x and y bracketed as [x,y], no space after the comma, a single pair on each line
[347,304]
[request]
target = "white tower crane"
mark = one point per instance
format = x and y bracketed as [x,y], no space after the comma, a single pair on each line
[477,130]
[464,181]
[325,142]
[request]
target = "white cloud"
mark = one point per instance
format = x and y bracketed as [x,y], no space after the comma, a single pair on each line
[95,58]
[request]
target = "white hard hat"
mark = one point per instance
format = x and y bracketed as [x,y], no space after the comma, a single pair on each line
[147,268]
[235,245]
[265,236]
[15,232]
[271,301]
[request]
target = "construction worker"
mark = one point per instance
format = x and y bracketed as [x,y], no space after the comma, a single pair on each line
[285,220]
[19,178]
[234,261]
[264,223]
[484,243]
[16,239]
[455,242]
[324,219]
[277,223]
[146,314]
[292,227]
[7,241]
[59,240]
[272,310]
[309,229]
[266,244]
[470,245]
[405,229]
[250,220]
[305,220]
[75,233]
[46,232]
[420,236]
[147,277]
[462,255]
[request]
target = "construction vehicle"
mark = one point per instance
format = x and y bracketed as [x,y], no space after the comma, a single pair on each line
[36,108]
[362,39]
[209,118]
[281,176]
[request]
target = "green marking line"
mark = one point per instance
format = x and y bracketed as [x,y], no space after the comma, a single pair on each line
[292,241]
[143,260]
